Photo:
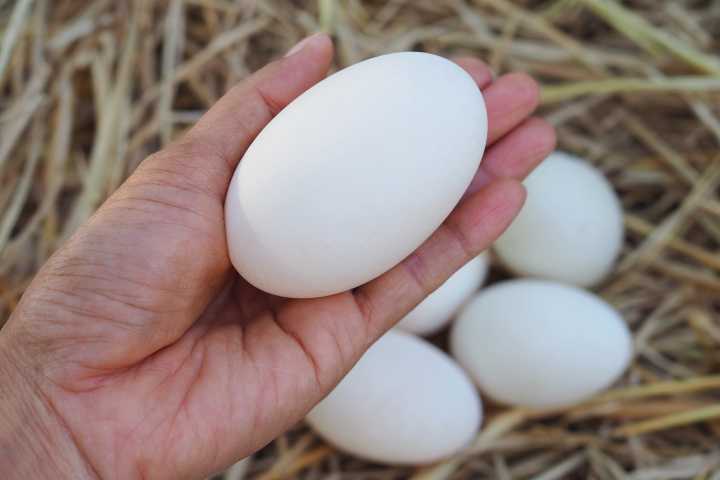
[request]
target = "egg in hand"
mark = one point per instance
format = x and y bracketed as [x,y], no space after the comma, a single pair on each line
[354,174]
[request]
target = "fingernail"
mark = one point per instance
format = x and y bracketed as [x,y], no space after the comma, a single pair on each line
[303,43]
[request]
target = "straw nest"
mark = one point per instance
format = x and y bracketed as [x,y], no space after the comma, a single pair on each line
[89,88]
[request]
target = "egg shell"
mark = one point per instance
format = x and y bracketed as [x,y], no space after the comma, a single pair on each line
[436,311]
[354,174]
[405,402]
[539,343]
[570,228]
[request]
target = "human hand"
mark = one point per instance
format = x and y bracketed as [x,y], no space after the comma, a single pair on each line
[138,352]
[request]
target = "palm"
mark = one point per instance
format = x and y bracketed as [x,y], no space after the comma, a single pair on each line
[237,378]
[171,365]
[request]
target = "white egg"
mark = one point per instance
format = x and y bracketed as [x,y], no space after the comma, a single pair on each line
[354,174]
[538,343]
[405,402]
[570,228]
[439,307]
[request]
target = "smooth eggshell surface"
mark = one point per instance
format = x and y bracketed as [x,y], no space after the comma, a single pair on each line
[540,344]
[436,311]
[570,228]
[354,174]
[405,402]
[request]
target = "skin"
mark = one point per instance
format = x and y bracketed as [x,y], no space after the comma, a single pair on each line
[137,351]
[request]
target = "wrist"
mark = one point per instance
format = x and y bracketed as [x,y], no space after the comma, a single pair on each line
[34,442]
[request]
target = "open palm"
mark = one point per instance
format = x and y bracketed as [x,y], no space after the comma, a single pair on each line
[155,360]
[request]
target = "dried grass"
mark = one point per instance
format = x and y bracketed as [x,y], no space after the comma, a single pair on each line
[89,88]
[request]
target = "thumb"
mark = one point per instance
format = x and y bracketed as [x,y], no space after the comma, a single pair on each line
[218,140]
[138,274]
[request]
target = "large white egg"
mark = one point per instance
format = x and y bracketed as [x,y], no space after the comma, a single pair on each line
[538,343]
[439,307]
[405,402]
[570,228]
[354,174]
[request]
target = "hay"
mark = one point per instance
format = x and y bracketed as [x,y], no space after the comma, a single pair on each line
[89,88]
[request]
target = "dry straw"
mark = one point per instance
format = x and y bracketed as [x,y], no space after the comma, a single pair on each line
[89,88]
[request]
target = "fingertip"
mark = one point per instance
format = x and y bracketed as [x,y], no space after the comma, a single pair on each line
[519,192]
[545,135]
[317,45]
[510,100]
[232,123]
[307,41]
[510,196]
[517,154]
[485,214]
[544,131]
[526,88]
[537,137]
[303,66]
[551,135]
[509,192]
[521,197]
[477,69]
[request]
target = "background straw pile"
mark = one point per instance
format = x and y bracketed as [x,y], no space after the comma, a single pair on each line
[89,88]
